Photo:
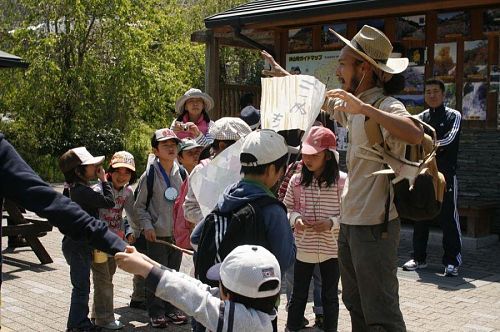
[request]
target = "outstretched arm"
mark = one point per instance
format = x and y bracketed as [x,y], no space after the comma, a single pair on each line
[276,69]
[398,126]
[19,183]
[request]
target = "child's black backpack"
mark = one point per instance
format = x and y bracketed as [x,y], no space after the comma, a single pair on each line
[222,232]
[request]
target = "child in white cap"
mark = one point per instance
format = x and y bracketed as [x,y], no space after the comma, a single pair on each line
[79,168]
[154,210]
[249,285]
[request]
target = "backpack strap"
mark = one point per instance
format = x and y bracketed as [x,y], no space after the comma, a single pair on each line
[220,322]
[372,128]
[375,137]
[230,320]
[298,190]
[183,172]
[260,202]
[150,179]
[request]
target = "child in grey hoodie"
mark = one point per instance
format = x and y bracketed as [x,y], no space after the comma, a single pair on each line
[155,218]
[249,284]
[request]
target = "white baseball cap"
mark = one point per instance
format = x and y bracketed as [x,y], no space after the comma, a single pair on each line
[166,134]
[86,158]
[265,145]
[245,269]
[78,156]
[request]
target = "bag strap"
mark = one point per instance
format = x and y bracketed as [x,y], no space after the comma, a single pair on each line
[374,132]
[150,179]
[183,172]
[220,322]
[297,195]
[264,201]
[375,137]
[372,128]
[230,320]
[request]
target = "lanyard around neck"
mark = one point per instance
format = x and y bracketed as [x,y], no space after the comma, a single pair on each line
[164,173]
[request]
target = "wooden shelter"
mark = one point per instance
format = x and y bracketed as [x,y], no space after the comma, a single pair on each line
[456,40]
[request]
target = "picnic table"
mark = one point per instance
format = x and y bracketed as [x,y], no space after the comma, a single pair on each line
[24,230]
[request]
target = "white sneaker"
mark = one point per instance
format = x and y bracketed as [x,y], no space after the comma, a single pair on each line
[451,271]
[413,265]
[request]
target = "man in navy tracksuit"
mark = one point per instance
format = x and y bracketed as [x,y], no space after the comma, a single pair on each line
[446,122]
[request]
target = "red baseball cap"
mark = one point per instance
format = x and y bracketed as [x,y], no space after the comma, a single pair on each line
[320,139]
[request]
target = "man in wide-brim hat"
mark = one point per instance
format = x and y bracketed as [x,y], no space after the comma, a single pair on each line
[368,260]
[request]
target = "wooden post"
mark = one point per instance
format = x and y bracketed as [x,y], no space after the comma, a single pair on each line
[212,72]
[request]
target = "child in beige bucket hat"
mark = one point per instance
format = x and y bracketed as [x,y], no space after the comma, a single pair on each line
[120,173]
[192,119]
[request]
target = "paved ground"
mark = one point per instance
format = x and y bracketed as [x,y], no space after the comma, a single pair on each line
[36,297]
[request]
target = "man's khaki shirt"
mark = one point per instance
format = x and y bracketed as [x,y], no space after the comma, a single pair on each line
[364,198]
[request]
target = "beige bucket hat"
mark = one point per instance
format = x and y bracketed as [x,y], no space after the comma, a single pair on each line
[376,48]
[194,93]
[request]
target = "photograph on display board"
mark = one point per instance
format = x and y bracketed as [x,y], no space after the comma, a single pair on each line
[450,95]
[417,56]
[414,79]
[453,24]
[474,101]
[491,20]
[300,39]
[414,103]
[329,39]
[445,60]
[321,65]
[476,59]
[376,23]
[410,27]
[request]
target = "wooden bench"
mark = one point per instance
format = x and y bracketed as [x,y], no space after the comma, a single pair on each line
[29,228]
[478,216]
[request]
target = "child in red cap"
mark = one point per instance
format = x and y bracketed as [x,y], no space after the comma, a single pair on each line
[313,202]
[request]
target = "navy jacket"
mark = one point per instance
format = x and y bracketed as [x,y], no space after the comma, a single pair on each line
[279,233]
[446,122]
[19,183]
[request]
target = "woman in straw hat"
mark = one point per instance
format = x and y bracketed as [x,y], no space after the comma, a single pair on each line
[193,120]
[368,260]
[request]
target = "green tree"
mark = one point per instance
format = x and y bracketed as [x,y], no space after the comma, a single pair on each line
[98,71]
[103,74]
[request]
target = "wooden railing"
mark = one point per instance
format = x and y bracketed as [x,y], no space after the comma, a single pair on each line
[230,99]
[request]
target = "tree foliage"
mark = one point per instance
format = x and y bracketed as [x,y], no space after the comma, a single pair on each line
[100,71]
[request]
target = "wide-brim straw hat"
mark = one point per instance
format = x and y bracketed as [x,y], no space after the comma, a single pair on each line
[376,48]
[194,93]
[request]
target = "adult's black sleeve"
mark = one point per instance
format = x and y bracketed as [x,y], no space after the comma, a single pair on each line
[19,183]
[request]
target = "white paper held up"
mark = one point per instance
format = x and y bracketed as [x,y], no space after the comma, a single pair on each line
[291,102]
[210,181]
